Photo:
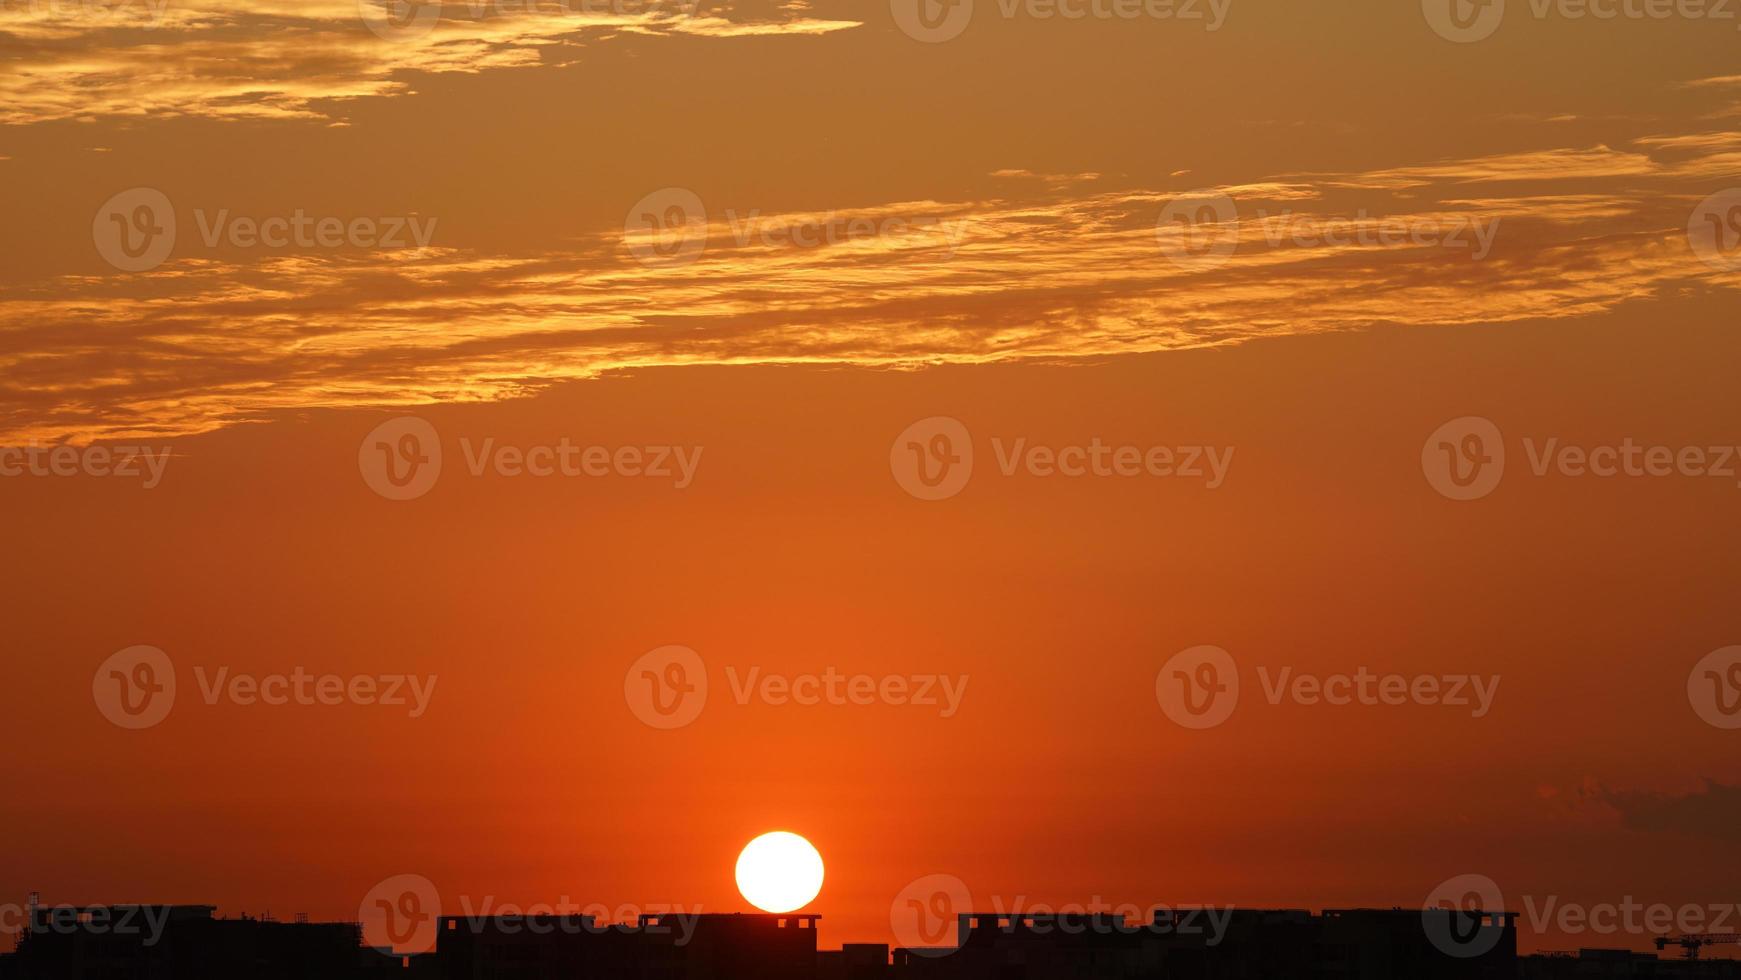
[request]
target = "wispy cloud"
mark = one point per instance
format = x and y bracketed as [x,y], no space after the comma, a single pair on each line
[1056,272]
[288,59]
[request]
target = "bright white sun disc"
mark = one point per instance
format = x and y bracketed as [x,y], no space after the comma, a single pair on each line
[779,872]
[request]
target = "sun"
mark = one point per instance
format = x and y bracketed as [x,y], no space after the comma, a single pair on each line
[779,872]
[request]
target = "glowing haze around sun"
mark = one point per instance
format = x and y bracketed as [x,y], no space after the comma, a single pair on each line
[779,872]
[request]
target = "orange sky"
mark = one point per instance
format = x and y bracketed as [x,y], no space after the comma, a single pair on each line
[1012,278]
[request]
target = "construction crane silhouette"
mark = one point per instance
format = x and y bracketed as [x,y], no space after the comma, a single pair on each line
[1691,944]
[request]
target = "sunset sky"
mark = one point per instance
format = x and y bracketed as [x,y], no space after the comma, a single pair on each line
[872,229]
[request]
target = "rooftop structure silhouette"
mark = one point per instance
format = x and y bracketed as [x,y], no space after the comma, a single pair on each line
[191,942]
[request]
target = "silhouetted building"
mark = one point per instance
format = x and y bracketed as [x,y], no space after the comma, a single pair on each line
[1348,944]
[178,942]
[1012,947]
[656,947]
[854,961]
[1620,963]
[189,942]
